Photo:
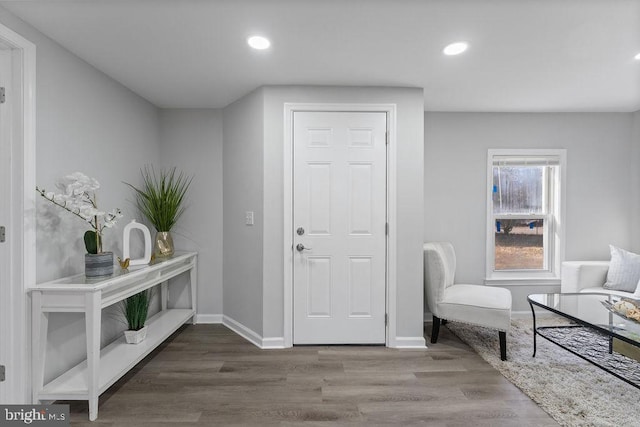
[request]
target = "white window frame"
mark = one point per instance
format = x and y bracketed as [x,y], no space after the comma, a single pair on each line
[554,222]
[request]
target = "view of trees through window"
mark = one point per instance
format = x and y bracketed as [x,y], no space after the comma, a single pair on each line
[518,207]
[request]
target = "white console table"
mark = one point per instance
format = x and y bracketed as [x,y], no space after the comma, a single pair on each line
[78,294]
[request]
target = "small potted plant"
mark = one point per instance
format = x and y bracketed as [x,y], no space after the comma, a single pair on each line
[160,200]
[78,196]
[135,310]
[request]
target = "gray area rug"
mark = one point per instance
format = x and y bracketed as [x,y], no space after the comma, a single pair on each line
[570,389]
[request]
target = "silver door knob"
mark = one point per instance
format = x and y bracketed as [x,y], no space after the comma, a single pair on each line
[300,247]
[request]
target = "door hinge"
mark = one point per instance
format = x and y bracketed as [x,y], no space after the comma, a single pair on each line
[386,228]
[386,319]
[2,96]
[2,234]
[2,376]
[386,138]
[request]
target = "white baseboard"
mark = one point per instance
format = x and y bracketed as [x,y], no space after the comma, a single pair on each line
[208,318]
[251,336]
[278,342]
[242,330]
[237,327]
[272,343]
[409,342]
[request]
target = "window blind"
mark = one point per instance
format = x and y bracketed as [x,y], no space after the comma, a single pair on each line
[526,160]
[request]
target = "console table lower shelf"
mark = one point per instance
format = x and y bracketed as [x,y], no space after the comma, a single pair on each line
[116,359]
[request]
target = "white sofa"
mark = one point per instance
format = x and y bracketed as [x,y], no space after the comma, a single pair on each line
[587,276]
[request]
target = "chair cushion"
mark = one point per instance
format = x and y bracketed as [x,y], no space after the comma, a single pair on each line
[476,304]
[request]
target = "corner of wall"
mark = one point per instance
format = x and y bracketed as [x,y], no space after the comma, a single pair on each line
[191,141]
[243,191]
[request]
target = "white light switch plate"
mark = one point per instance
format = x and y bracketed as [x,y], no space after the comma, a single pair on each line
[249,218]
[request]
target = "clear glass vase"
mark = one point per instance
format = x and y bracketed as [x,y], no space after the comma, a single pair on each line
[163,246]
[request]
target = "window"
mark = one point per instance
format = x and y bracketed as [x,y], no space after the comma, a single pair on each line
[524,214]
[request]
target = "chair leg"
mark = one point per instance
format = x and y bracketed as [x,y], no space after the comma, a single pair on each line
[435,329]
[503,345]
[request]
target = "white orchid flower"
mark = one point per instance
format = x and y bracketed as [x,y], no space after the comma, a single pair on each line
[58,198]
[78,197]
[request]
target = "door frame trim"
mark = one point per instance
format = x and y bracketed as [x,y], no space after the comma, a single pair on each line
[391,285]
[23,211]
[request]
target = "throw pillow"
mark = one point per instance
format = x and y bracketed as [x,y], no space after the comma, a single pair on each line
[624,270]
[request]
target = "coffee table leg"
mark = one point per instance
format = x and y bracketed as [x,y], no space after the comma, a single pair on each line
[610,337]
[535,331]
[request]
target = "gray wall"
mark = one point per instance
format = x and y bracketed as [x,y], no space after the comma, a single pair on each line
[409,195]
[599,181]
[85,122]
[243,177]
[191,140]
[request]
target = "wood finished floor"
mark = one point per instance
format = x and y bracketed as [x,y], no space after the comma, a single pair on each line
[206,375]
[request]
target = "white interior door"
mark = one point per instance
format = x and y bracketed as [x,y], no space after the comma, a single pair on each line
[339,218]
[5,221]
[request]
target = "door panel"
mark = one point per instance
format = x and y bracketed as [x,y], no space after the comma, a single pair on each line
[319,198]
[319,283]
[339,199]
[360,187]
[360,292]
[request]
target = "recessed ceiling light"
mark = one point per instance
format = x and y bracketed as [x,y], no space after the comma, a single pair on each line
[637,57]
[455,48]
[258,42]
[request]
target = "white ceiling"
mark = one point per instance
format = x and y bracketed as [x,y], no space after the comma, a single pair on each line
[524,55]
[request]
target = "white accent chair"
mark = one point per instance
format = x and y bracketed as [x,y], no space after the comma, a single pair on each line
[474,304]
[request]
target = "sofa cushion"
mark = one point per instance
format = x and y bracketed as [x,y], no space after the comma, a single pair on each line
[600,290]
[624,270]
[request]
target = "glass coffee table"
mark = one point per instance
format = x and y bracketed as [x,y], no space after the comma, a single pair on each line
[585,326]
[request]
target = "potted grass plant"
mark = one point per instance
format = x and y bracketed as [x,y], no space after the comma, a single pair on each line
[161,200]
[135,310]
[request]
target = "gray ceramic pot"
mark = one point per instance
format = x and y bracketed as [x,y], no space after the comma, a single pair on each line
[98,265]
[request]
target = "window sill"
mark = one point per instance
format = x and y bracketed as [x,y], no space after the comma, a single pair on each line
[522,281]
